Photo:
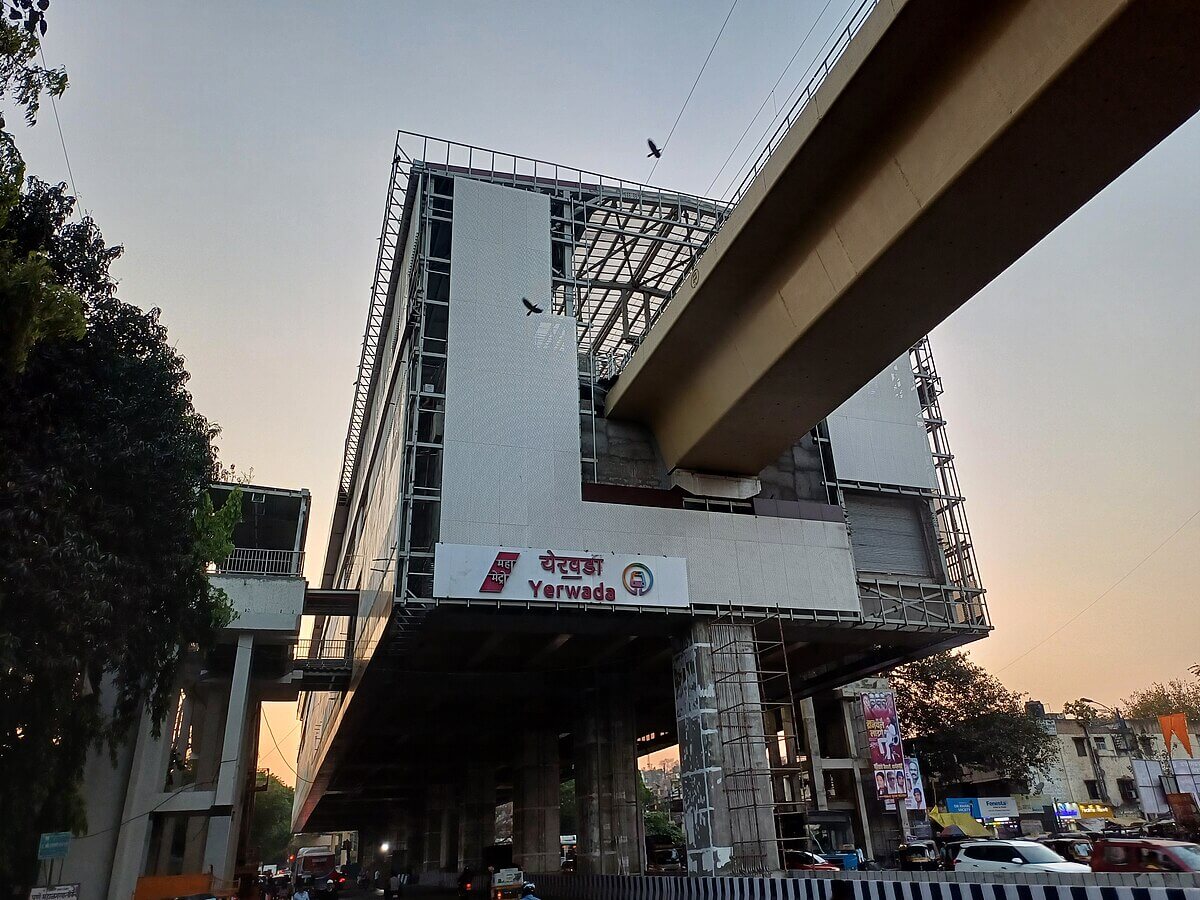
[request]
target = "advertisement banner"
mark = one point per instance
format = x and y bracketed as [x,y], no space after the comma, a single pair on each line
[916,790]
[466,571]
[883,739]
[997,808]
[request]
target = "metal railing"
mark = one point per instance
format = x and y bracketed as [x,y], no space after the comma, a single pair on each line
[322,652]
[251,561]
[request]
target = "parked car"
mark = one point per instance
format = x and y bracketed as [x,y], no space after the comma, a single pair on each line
[1144,855]
[1012,856]
[803,861]
[1072,849]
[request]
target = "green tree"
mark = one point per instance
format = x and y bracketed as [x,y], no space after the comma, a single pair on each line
[567,810]
[954,713]
[1176,696]
[105,529]
[661,829]
[1083,711]
[271,825]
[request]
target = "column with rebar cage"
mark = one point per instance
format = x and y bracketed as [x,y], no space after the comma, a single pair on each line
[764,769]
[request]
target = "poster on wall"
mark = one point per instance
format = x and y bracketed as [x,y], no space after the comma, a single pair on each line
[916,789]
[883,738]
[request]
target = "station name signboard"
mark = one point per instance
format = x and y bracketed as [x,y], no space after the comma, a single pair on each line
[467,571]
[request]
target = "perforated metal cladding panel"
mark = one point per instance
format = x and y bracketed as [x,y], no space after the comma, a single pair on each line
[888,534]
[878,435]
[511,467]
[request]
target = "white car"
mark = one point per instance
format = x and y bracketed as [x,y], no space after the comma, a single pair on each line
[1012,856]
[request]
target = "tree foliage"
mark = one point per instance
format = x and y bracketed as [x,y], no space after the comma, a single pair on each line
[271,824]
[954,714]
[1176,696]
[105,528]
[661,829]
[22,24]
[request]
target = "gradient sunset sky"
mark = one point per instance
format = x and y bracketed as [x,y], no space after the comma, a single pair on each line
[240,152]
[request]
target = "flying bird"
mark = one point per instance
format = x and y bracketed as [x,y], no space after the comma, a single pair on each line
[530,309]
[654,151]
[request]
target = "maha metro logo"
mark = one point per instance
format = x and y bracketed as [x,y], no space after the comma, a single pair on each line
[498,575]
[638,579]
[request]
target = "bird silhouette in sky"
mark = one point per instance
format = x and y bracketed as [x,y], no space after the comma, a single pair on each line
[530,308]
[654,151]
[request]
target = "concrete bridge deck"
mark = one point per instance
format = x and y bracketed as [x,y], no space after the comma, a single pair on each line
[948,140]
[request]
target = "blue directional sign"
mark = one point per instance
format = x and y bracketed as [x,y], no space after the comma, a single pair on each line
[53,845]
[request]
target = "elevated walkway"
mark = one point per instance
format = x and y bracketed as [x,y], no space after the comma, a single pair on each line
[948,139]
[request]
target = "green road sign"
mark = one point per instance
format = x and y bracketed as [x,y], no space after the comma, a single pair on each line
[53,845]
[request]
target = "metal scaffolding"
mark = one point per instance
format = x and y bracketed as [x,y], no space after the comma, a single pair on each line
[766,776]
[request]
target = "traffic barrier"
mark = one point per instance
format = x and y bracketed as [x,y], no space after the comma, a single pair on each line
[879,887]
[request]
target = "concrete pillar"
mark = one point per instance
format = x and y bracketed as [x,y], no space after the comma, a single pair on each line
[437,801]
[611,834]
[477,828]
[536,846]
[147,778]
[724,766]
[220,846]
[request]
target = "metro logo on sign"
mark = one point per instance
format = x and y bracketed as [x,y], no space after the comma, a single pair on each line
[497,577]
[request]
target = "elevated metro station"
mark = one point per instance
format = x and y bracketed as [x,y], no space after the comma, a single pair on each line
[541,598]
[628,468]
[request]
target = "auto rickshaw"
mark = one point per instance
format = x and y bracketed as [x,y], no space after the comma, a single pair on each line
[918,856]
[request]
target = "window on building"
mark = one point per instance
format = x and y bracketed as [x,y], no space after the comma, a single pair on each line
[1093,789]
[1128,790]
[1101,743]
[1080,746]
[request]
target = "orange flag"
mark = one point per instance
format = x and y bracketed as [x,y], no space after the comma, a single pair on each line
[1175,725]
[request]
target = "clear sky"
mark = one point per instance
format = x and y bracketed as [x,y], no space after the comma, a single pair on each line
[240,152]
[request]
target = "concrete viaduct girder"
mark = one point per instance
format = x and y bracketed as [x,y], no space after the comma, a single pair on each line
[948,140]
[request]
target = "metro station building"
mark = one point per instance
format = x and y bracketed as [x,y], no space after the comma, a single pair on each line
[529,594]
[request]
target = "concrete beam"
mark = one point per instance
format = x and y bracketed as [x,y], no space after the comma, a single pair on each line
[949,138]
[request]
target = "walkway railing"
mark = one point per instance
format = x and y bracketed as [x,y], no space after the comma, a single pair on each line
[322,654]
[250,561]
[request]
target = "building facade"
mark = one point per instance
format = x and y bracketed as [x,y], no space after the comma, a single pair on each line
[537,597]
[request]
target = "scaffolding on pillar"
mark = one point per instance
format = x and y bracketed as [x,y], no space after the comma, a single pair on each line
[765,771]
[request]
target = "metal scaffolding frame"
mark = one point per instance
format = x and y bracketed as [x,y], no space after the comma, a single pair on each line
[618,249]
[766,775]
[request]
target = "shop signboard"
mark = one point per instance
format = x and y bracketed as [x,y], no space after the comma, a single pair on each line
[997,808]
[968,805]
[883,739]
[1066,810]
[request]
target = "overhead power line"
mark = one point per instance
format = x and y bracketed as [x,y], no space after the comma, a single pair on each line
[1109,590]
[62,140]
[770,94]
[716,40]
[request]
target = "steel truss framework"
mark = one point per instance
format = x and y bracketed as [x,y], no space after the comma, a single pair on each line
[619,249]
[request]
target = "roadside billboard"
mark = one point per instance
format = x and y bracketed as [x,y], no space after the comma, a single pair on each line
[883,739]
[916,788]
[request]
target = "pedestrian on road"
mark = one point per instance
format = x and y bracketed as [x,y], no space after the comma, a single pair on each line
[302,890]
[394,884]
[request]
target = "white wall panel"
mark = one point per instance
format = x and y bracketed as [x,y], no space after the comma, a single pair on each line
[511,467]
[878,436]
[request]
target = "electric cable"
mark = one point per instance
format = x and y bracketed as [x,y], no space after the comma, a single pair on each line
[165,800]
[271,732]
[805,79]
[62,140]
[1108,591]
[716,40]
[770,94]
